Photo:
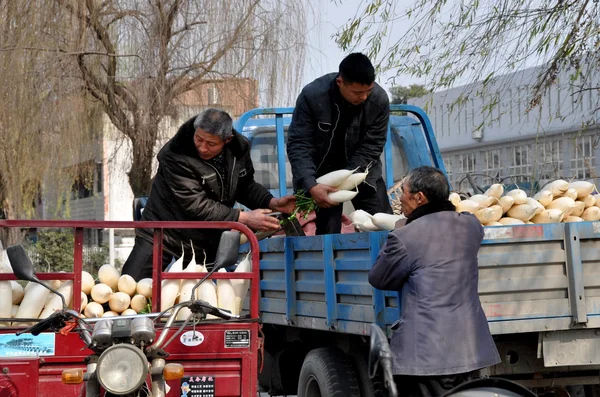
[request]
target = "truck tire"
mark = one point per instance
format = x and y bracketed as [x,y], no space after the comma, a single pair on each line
[327,372]
[368,387]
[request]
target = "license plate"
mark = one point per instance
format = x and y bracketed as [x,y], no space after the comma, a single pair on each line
[574,347]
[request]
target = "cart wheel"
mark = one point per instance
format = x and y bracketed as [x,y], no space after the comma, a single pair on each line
[327,372]
[368,387]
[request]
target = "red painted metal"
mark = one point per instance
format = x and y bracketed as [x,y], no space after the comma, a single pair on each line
[235,369]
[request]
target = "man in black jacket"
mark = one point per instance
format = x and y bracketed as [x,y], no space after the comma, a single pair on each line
[340,121]
[203,170]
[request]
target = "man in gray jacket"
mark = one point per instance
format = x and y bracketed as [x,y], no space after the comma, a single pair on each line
[442,335]
[340,121]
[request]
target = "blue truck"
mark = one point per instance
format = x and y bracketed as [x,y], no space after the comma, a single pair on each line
[539,284]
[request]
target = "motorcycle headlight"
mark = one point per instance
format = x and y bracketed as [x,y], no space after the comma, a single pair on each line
[122,369]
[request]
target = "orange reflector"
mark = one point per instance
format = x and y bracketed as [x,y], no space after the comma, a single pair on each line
[173,371]
[72,376]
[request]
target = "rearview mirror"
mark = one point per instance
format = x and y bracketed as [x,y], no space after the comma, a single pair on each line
[21,264]
[228,250]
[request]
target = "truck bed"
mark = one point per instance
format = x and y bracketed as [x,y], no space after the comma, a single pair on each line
[532,278]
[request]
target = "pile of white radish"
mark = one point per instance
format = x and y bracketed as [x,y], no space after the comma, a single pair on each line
[346,181]
[365,222]
[558,201]
[114,294]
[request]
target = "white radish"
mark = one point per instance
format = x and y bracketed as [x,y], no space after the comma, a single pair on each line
[119,302]
[467,206]
[573,219]
[359,216]
[93,310]
[144,287]
[565,204]
[240,287]
[578,209]
[170,288]
[127,284]
[129,312]
[109,275]
[523,212]
[207,291]
[33,302]
[497,212]
[385,221]
[591,214]
[510,221]
[589,201]
[87,282]
[548,216]
[483,200]
[544,197]
[485,215]
[571,193]
[101,293]
[185,293]
[454,198]
[6,298]
[557,187]
[496,190]
[506,202]
[17,292]
[518,195]
[225,294]
[367,226]
[54,302]
[15,309]
[138,303]
[353,181]
[341,196]
[84,301]
[335,178]
[494,224]
[110,313]
[535,203]
[583,188]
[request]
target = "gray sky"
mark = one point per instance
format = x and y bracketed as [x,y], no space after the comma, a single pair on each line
[323,55]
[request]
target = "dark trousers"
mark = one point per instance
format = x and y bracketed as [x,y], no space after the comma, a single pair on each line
[428,386]
[329,220]
[139,263]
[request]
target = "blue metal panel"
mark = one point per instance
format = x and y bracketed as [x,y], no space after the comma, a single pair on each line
[330,282]
[378,298]
[389,161]
[290,282]
[280,154]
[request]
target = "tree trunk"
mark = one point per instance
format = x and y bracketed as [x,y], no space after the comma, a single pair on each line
[10,235]
[140,174]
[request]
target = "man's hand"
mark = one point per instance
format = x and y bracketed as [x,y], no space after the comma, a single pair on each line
[286,204]
[319,194]
[259,220]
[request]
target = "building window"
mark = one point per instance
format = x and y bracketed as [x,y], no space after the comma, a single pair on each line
[448,166]
[491,166]
[548,160]
[583,161]
[466,165]
[520,163]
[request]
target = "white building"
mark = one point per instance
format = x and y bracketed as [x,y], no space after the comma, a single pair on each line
[492,137]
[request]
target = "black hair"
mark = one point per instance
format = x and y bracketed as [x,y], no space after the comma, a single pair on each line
[430,181]
[357,68]
[216,122]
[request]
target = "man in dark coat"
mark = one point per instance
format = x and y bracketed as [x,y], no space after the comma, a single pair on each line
[442,335]
[203,170]
[340,121]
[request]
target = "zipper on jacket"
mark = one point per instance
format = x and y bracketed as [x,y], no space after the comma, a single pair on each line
[331,139]
[232,171]
[220,177]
